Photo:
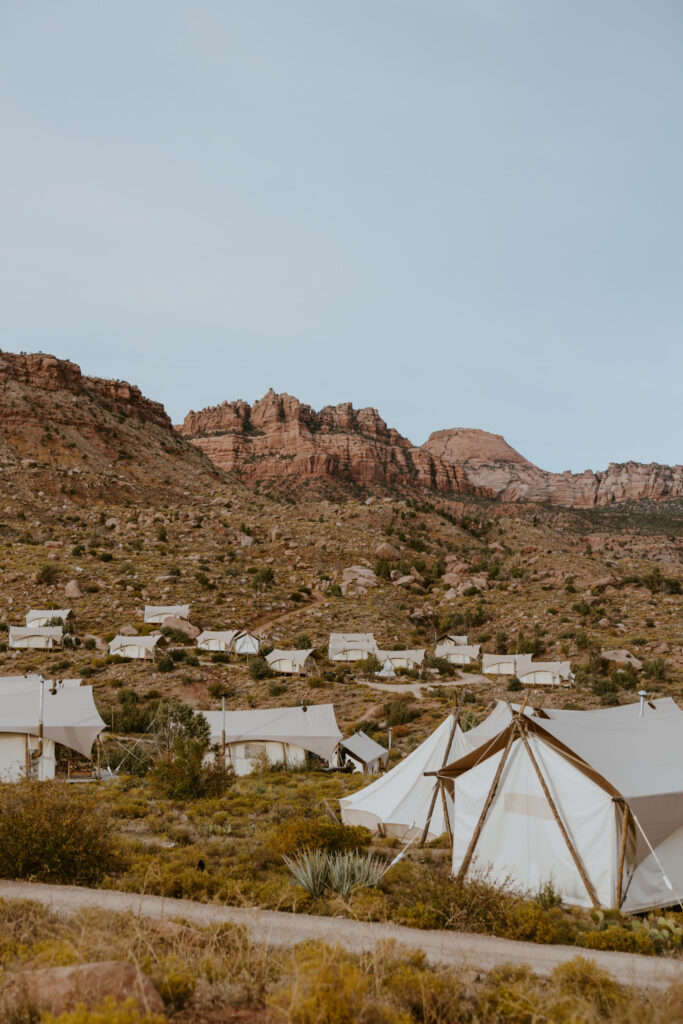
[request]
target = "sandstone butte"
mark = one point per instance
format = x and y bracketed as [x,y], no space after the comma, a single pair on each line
[278,438]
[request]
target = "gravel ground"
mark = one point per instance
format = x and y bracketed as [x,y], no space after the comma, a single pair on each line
[481,952]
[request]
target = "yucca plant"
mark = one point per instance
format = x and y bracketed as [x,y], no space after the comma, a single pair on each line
[348,870]
[309,868]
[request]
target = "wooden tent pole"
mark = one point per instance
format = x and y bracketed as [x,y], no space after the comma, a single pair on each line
[442,787]
[560,824]
[437,786]
[622,854]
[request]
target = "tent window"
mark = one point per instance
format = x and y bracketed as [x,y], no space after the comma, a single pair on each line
[524,803]
[254,749]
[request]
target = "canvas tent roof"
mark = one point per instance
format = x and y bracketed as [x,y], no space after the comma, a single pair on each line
[227,635]
[416,656]
[453,640]
[364,748]
[298,657]
[69,716]
[14,684]
[488,660]
[467,650]
[339,642]
[24,632]
[558,668]
[50,613]
[148,642]
[314,728]
[182,611]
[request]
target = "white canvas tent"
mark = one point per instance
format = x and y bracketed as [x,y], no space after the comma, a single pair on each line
[503,664]
[402,659]
[246,643]
[405,800]
[69,717]
[157,613]
[457,654]
[593,800]
[142,648]
[351,646]
[364,753]
[41,617]
[281,734]
[544,673]
[290,662]
[35,637]
[217,640]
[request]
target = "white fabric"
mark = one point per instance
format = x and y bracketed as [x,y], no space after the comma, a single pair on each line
[314,728]
[34,636]
[386,672]
[246,643]
[521,839]
[158,612]
[351,646]
[402,659]
[217,640]
[364,748]
[69,715]
[134,646]
[457,654]
[288,661]
[399,800]
[41,617]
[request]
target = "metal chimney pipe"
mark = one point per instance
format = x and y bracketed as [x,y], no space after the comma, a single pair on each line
[642,694]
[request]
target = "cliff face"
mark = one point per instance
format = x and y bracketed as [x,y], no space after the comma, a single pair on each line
[279,438]
[104,435]
[490,462]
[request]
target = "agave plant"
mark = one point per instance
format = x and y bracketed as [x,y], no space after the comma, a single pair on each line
[348,870]
[309,868]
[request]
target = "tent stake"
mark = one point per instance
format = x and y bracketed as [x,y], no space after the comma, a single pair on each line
[565,835]
[622,854]
[425,831]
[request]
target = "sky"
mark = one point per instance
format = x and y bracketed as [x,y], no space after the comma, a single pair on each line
[460,212]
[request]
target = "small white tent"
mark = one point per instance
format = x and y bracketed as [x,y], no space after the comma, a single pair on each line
[544,673]
[290,662]
[364,753]
[142,648]
[402,659]
[281,734]
[457,654]
[35,637]
[246,643]
[503,664]
[217,640]
[157,613]
[592,800]
[351,646]
[41,617]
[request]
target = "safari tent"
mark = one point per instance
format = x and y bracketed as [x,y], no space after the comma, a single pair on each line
[217,640]
[142,648]
[502,664]
[41,617]
[351,646]
[157,613]
[35,637]
[290,662]
[402,659]
[246,643]
[363,753]
[285,735]
[68,715]
[544,673]
[590,800]
[457,654]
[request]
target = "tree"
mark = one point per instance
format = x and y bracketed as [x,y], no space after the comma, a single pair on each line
[178,721]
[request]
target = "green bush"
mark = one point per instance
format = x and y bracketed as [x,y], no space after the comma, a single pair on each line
[181,774]
[259,668]
[317,834]
[165,664]
[49,834]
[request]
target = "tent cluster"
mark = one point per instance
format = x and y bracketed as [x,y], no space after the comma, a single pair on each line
[590,800]
[528,671]
[360,646]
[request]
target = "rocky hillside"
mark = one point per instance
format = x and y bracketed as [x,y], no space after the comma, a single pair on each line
[280,441]
[86,437]
[490,462]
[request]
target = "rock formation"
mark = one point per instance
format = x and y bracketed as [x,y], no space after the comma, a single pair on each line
[280,439]
[490,462]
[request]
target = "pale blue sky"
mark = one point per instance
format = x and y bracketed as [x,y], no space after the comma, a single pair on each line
[462,212]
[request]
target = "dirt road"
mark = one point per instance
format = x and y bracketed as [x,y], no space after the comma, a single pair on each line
[481,952]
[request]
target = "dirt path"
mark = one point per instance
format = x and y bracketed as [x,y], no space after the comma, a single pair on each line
[267,622]
[482,952]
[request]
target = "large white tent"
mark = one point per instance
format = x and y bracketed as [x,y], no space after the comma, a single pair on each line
[69,717]
[281,734]
[592,800]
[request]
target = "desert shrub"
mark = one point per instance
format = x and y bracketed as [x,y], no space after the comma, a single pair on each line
[175,721]
[90,643]
[530,922]
[514,686]
[309,869]
[259,668]
[109,1012]
[442,665]
[347,871]
[318,834]
[369,665]
[181,774]
[47,574]
[165,664]
[130,716]
[175,636]
[399,712]
[620,939]
[220,658]
[582,979]
[48,833]
[655,669]
[219,689]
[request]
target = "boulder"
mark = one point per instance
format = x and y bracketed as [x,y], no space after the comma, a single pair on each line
[128,631]
[59,989]
[387,552]
[244,540]
[621,657]
[175,622]
[404,581]
[72,589]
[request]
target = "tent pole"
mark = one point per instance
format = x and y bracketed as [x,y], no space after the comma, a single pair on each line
[459,878]
[442,787]
[622,855]
[425,831]
[565,835]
